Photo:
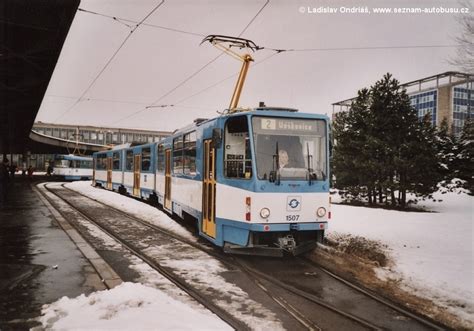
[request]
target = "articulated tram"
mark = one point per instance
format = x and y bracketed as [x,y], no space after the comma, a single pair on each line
[255,182]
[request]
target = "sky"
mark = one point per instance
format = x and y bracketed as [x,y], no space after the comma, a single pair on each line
[98,81]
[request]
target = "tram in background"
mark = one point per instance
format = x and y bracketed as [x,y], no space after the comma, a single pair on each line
[72,167]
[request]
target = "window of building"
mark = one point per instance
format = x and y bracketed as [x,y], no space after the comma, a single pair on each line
[189,165]
[129,160]
[146,159]
[178,155]
[160,157]
[93,136]
[115,138]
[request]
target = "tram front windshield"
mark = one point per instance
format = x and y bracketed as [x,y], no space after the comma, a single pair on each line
[292,149]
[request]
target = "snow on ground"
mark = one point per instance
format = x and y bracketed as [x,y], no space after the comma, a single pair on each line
[432,251]
[131,206]
[198,269]
[147,275]
[129,306]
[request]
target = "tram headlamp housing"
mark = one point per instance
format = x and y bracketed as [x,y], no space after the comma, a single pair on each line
[265,213]
[321,212]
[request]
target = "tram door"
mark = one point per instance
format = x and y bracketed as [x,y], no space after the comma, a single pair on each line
[209,190]
[136,175]
[109,173]
[168,179]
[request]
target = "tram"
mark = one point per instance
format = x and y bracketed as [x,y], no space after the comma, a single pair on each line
[72,167]
[255,181]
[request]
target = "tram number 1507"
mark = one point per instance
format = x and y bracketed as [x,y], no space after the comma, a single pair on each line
[292,218]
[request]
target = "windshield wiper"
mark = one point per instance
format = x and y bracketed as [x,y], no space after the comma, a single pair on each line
[311,173]
[275,174]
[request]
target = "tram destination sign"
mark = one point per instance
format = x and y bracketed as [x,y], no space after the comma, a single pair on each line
[291,125]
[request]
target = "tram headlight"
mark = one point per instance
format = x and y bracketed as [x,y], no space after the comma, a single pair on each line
[321,212]
[265,213]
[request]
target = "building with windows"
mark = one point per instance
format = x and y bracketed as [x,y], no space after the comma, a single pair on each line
[100,136]
[449,96]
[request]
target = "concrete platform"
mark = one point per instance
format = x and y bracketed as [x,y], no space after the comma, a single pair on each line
[38,262]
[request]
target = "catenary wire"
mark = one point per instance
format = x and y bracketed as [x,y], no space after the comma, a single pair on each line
[221,81]
[192,75]
[98,100]
[122,20]
[281,50]
[109,61]
[253,19]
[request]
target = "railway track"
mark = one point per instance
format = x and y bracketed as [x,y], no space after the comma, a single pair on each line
[288,295]
[430,324]
[387,316]
[196,295]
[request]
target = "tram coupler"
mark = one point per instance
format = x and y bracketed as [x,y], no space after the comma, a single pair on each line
[253,250]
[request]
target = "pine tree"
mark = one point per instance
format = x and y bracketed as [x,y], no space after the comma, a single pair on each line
[383,149]
[350,135]
[464,160]
[424,171]
[447,150]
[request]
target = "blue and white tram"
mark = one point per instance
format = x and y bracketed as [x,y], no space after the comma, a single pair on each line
[256,182]
[72,167]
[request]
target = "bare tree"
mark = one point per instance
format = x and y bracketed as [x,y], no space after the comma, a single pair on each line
[464,58]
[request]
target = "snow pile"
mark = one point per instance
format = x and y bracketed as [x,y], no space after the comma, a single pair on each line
[129,306]
[432,252]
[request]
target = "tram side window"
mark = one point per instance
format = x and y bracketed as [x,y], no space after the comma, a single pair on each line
[101,162]
[85,165]
[178,155]
[146,159]
[129,160]
[237,158]
[116,161]
[160,156]
[190,153]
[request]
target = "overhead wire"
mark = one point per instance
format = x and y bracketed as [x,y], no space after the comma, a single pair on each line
[280,50]
[221,81]
[253,19]
[98,100]
[276,50]
[110,60]
[122,20]
[192,75]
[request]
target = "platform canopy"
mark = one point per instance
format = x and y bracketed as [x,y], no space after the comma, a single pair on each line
[32,34]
